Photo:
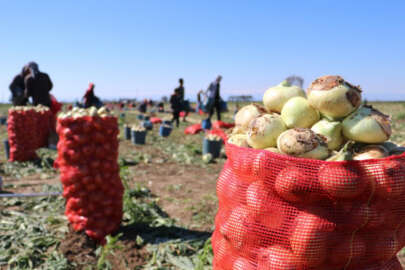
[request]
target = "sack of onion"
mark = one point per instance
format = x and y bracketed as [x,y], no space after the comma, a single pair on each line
[291,192]
[89,172]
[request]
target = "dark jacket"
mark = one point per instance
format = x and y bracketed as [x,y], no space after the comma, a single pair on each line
[175,103]
[38,87]
[17,87]
[180,90]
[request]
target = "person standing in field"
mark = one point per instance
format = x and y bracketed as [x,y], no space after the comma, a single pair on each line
[175,102]
[215,96]
[38,85]
[17,88]
[180,90]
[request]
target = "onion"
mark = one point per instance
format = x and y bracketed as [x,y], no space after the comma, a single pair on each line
[264,131]
[247,114]
[239,140]
[341,181]
[367,125]
[371,152]
[332,131]
[293,185]
[276,258]
[333,96]
[240,228]
[302,142]
[297,112]
[309,238]
[275,97]
[388,177]
[265,206]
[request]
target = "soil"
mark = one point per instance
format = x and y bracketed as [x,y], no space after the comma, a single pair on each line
[179,185]
[80,250]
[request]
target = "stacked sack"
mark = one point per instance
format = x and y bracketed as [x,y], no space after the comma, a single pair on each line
[286,209]
[28,129]
[89,172]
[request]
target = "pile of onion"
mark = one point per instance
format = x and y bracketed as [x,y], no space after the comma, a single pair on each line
[325,124]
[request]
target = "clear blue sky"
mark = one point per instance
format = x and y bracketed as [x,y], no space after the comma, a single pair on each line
[140,48]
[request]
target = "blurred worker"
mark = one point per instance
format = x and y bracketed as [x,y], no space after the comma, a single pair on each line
[143,106]
[17,88]
[175,102]
[90,99]
[184,103]
[37,85]
[214,95]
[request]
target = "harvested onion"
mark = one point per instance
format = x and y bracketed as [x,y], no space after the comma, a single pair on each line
[332,131]
[367,125]
[297,113]
[264,131]
[275,97]
[333,96]
[303,142]
[247,114]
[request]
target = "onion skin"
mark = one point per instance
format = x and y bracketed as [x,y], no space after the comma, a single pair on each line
[332,131]
[275,97]
[333,96]
[246,114]
[264,131]
[367,125]
[302,142]
[297,113]
[371,152]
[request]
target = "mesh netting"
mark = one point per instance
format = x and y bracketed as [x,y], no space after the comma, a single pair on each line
[280,212]
[27,131]
[89,172]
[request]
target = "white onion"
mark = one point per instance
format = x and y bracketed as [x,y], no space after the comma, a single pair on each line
[247,114]
[264,131]
[297,112]
[332,131]
[303,142]
[367,125]
[275,97]
[333,96]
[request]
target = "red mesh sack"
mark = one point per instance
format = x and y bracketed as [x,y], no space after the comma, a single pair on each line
[221,124]
[281,212]
[28,129]
[89,172]
[193,129]
[155,120]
